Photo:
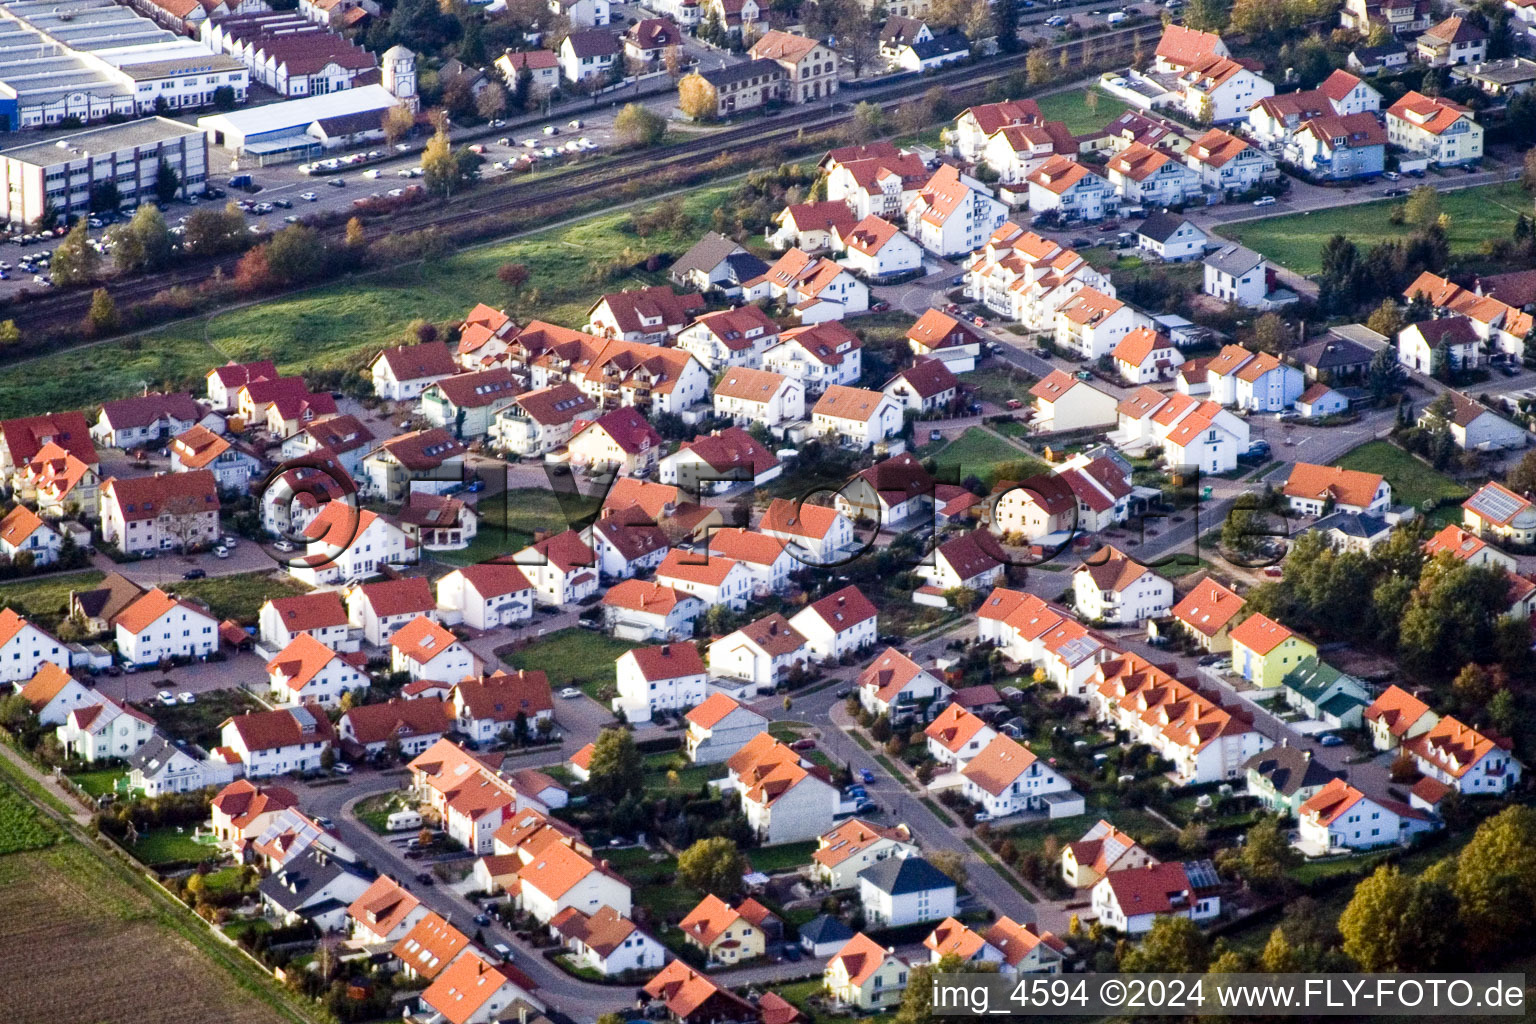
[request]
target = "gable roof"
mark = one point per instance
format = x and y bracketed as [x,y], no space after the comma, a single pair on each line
[1289,769]
[999,764]
[1260,633]
[860,958]
[842,609]
[422,640]
[417,362]
[1344,486]
[1208,607]
[378,723]
[1181,46]
[140,498]
[1112,569]
[953,727]
[901,876]
[853,836]
[150,607]
[282,727]
[667,661]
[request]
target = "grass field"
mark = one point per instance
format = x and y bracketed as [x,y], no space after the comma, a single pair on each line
[344,323]
[1296,240]
[99,782]
[982,454]
[80,945]
[45,601]
[1073,107]
[374,811]
[997,384]
[508,520]
[1413,481]
[169,846]
[21,827]
[689,776]
[574,657]
[238,597]
[199,723]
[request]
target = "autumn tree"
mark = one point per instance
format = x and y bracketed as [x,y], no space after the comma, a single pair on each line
[210,232]
[444,170]
[1038,66]
[639,127]
[357,236]
[1495,881]
[1386,319]
[696,97]
[1206,15]
[1422,207]
[398,122]
[296,253]
[951,863]
[10,334]
[74,261]
[514,275]
[253,272]
[1396,922]
[714,865]
[1272,334]
[145,241]
[103,318]
[492,101]
[868,122]
[1174,945]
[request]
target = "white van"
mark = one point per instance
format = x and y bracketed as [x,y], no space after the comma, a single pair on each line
[402,820]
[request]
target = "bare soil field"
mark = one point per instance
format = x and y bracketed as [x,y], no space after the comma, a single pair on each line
[78,945]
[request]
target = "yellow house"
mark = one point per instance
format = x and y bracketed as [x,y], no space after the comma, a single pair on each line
[1263,651]
[865,975]
[724,935]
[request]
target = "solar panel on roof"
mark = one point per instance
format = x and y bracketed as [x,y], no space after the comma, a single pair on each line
[1495,504]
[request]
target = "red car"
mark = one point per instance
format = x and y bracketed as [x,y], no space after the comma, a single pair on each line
[978,321]
[803,745]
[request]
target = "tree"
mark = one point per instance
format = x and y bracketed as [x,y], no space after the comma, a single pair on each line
[1005,25]
[1495,880]
[253,272]
[696,97]
[636,126]
[398,122]
[357,237]
[1528,170]
[1339,281]
[149,238]
[1385,376]
[1266,856]
[1522,479]
[1396,922]
[105,195]
[1206,15]
[1422,207]
[103,317]
[615,767]
[167,182]
[212,232]
[443,169]
[297,253]
[713,865]
[10,334]
[74,261]
[1038,66]
[1386,319]
[868,122]
[513,275]
[492,101]
[1272,334]
[917,999]
[1174,945]
[1237,532]
[951,863]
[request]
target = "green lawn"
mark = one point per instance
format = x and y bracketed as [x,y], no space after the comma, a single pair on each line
[21,826]
[45,601]
[342,324]
[508,520]
[982,454]
[238,597]
[1296,240]
[997,384]
[1413,481]
[574,657]
[99,782]
[689,776]
[167,845]
[1138,824]
[783,857]
[199,723]
[1081,114]
[375,810]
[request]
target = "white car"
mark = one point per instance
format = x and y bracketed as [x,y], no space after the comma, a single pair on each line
[167,698]
[372,172]
[395,193]
[530,143]
[221,552]
[404,172]
[343,769]
[309,197]
[186,697]
[1264,201]
[569,692]
[282,545]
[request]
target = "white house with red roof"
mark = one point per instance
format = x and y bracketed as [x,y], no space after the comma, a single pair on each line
[1068,187]
[1396,717]
[1207,613]
[379,609]
[1016,151]
[893,684]
[972,561]
[876,248]
[1130,901]
[53,693]
[937,335]
[346,543]
[857,417]
[607,941]
[472,990]
[1062,402]
[842,622]
[818,356]
[953,213]
[621,439]
[110,728]
[1092,323]
[158,627]
[280,741]
[148,418]
[467,403]
[483,706]
[483,333]
[1468,547]
[626,542]
[735,337]
[759,396]
[1006,778]
[1434,127]
[1146,355]
[26,540]
[487,595]
[976,126]
[150,514]
[650,315]
[927,386]
[1228,164]
[718,727]
[198,447]
[1206,436]
[766,558]
[1341,817]
[414,724]
[1026,277]
[1102,849]
[1310,487]
[815,534]
[956,736]
[1468,760]
[401,373]
[385,912]
[814,287]
[759,654]
[719,460]
[854,845]
[650,610]
[1151,177]
[541,421]
[562,568]
[811,226]
[666,678]
[785,800]
[876,182]
[224,382]
[713,579]
[242,810]
[427,650]
[308,672]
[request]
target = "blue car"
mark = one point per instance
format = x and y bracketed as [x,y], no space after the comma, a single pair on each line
[866,775]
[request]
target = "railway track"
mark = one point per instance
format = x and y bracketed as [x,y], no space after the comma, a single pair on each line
[71,306]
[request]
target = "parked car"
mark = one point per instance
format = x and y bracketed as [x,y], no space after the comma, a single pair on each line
[569,692]
[982,817]
[186,697]
[844,693]
[343,769]
[504,951]
[803,745]
[282,545]
[1330,740]
[194,574]
[866,775]
[935,435]
[1264,201]
[425,877]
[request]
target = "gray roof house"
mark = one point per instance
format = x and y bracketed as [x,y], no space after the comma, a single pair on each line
[1325,694]
[1334,356]
[313,886]
[1171,236]
[1284,778]
[160,767]
[824,935]
[716,262]
[905,890]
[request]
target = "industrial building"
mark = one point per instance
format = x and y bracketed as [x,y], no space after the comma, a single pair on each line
[300,129]
[60,173]
[91,59]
